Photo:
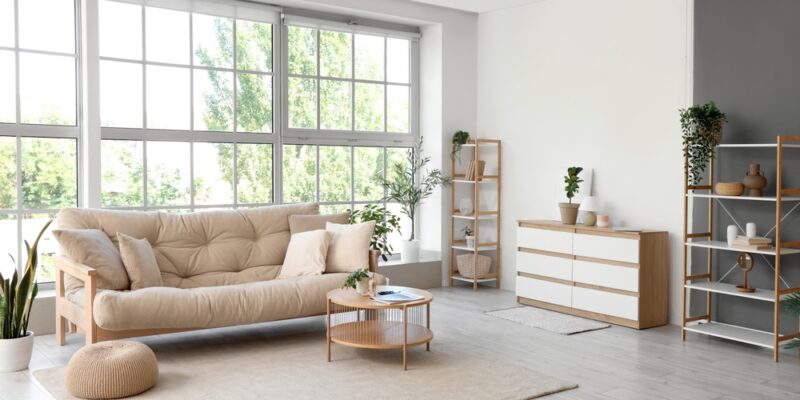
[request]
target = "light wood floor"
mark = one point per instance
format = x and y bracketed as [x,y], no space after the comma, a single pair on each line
[615,363]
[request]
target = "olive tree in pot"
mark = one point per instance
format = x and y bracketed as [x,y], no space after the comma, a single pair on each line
[409,184]
[569,211]
[16,299]
[702,132]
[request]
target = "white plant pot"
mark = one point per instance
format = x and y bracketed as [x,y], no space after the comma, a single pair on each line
[362,286]
[15,354]
[409,251]
[470,241]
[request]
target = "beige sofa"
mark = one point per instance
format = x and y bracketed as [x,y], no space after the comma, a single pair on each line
[219,269]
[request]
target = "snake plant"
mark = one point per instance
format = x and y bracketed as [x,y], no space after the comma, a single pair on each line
[17,294]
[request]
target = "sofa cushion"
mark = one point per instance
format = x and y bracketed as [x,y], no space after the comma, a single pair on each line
[209,248]
[211,307]
[306,254]
[93,247]
[305,223]
[140,262]
[350,244]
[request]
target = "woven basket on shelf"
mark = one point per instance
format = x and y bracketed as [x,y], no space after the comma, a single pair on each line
[482,264]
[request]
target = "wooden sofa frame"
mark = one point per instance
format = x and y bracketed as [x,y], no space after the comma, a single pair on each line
[76,318]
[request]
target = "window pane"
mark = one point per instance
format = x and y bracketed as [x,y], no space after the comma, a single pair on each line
[254,166]
[397,108]
[213,41]
[8,91]
[6,24]
[369,107]
[8,174]
[302,103]
[253,46]
[120,94]
[369,57]
[48,246]
[49,173]
[47,89]
[335,54]
[336,104]
[213,173]
[120,30]
[47,25]
[334,173]
[302,50]
[167,35]
[397,60]
[121,164]
[299,173]
[253,103]
[333,208]
[367,163]
[9,245]
[396,155]
[167,97]
[213,100]
[167,173]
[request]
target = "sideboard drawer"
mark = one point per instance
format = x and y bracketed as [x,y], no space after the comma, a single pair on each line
[611,276]
[546,291]
[614,304]
[538,264]
[607,247]
[544,239]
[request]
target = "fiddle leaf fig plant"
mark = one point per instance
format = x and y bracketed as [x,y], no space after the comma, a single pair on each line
[572,182]
[460,138]
[385,223]
[702,132]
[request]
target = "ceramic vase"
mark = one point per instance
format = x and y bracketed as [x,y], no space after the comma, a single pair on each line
[750,230]
[733,231]
[603,221]
[755,181]
[470,241]
[362,286]
[15,354]
[465,206]
[409,251]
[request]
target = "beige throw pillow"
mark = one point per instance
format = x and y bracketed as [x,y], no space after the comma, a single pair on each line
[306,254]
[305,223]
[349,249]
[93,248]
[140,262]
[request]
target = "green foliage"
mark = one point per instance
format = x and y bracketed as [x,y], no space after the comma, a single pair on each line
[468,230]
[572,182]
[385,223]
[18,293]
[354,277]
[459,139]
[792,305]
[402,186]
[702,130]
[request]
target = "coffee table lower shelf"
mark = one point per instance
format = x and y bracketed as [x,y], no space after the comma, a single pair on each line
[380,334]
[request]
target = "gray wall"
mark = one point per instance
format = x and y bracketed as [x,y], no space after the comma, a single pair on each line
[747,60]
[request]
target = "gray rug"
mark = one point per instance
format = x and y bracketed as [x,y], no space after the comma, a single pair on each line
[295,368]
[548,320]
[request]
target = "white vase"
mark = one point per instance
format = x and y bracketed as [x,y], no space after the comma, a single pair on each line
[733,231]
[362,286]
[470,241]
[751,230]
[409,251]
[15,354]
[465,206]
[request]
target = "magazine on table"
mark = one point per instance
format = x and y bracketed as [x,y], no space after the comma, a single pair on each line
[391,295]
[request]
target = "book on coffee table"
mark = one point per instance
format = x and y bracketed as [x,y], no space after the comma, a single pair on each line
[395,296]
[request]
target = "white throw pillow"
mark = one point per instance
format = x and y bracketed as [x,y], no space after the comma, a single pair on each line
[349,249]
[306,254]
[140,262]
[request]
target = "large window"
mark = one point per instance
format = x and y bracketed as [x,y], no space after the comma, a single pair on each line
[38,125]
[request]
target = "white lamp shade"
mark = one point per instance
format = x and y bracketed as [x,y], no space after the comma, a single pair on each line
[590,203]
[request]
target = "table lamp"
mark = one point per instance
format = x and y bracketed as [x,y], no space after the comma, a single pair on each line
[589,206]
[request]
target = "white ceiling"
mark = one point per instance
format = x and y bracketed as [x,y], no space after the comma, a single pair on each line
[478,6]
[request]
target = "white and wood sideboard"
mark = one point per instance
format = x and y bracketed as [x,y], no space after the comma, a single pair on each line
[598,273]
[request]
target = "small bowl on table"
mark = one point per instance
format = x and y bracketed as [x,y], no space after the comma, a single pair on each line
[730,188]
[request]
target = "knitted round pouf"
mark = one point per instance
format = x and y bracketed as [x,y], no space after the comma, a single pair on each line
[110,370]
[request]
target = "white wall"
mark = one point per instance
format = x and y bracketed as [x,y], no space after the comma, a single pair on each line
[589,83]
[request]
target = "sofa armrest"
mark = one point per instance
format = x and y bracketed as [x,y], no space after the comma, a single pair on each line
[66,311]
[74,268]
[373,260]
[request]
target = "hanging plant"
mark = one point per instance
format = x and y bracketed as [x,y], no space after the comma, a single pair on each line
[702,132]
[459,139]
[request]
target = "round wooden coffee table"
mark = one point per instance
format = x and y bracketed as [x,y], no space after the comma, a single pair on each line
[358,321]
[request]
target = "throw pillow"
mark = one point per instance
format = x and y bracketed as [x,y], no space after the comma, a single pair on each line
[349,249]
[305,223]
[93,248]
[140,262]
[306,254]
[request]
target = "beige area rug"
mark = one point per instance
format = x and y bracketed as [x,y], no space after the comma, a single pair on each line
[294,367]
[548,320]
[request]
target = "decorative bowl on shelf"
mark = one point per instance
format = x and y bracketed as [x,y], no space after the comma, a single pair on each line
[730,188]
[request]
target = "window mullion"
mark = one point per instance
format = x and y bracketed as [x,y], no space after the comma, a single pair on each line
[191,76]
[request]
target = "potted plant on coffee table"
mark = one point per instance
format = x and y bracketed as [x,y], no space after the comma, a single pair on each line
[569,211]
[702,132]
[409,184]
[385,223]
[358,280]
[16,299]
